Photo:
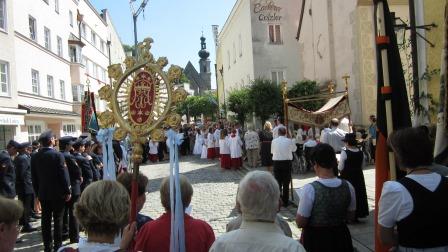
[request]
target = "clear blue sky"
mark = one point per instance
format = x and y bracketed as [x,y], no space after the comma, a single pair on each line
[175,26]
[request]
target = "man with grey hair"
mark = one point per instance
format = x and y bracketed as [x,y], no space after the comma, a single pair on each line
[259,199]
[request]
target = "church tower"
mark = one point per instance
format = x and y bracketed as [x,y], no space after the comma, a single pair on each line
[204,64]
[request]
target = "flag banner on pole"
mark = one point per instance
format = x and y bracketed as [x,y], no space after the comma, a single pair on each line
[93,123]
[441,143]
[392,101]
[89,120]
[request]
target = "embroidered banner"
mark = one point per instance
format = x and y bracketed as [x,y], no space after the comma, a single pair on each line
[337,107]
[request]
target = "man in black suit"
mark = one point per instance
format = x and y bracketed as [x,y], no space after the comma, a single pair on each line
[51,183]
[83,163]
[70,224]
[24,185]
[7,171]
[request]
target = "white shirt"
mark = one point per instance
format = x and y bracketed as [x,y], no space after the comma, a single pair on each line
[275,130]
[306,196]
[153,147]
[224,146]
[235,144]
[210,140]
[310,143]
[85,246]
[323,134]
[282,148]
[299,136]
[334,138]
[217,135]
[396,202]
[343,157]
[256,236]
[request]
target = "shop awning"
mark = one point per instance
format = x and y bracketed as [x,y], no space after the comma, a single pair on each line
[42,110]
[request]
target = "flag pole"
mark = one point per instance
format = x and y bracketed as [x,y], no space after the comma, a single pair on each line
[382,38]
[385,92]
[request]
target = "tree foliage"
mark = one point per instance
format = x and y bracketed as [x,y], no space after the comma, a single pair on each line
[197,105]
[238,102]
[305,88]
[128,48]
[265,98]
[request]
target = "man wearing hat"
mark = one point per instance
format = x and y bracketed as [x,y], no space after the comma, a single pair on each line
[90,157]
[51,183]
[24,185]
[350,167]
[70,227]
[7,176]
[7,171]
[83,163]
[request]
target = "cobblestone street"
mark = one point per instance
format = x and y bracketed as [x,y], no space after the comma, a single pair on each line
[214,199]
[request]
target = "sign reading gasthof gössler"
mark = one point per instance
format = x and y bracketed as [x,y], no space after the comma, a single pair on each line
[267,11]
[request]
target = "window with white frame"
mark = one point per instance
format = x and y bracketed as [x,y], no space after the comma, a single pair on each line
[47,35]
[93,38]
[60,49]
[34,132]
[70,17]
[62,89]
[275,34]
[78,92]
[228,58]
[95,70]
[33,28]
[56,6]
[83,30]
[102,46]
[240,41]
[68,129]
[50,86]
[103,74]
[3,15]
[277,76]
[35,81]
[4,78]
[74,53]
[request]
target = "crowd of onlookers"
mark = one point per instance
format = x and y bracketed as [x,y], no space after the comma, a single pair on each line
[411,214]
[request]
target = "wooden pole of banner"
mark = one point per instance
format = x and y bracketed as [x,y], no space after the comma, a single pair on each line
[346,78]
[386,85]
[381,174]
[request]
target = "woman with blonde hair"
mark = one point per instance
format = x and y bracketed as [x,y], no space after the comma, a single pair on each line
[265,139]
[103,210]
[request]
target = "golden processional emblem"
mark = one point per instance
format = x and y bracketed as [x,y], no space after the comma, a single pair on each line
[142,99]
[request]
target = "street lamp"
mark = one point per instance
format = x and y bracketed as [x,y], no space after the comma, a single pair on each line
[135,14]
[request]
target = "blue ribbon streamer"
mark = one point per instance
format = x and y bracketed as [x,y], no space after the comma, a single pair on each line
[177,239]
[105,137]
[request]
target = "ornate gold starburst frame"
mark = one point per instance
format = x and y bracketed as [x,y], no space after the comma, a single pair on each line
[155,89]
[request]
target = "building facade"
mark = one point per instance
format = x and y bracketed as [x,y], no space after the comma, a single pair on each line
[11,117]
[257,41]
[55,50]
[337,39]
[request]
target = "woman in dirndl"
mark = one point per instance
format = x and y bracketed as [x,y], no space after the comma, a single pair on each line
[325,206]
[265,139]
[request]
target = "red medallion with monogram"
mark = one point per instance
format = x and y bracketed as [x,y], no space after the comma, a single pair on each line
[141,98]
